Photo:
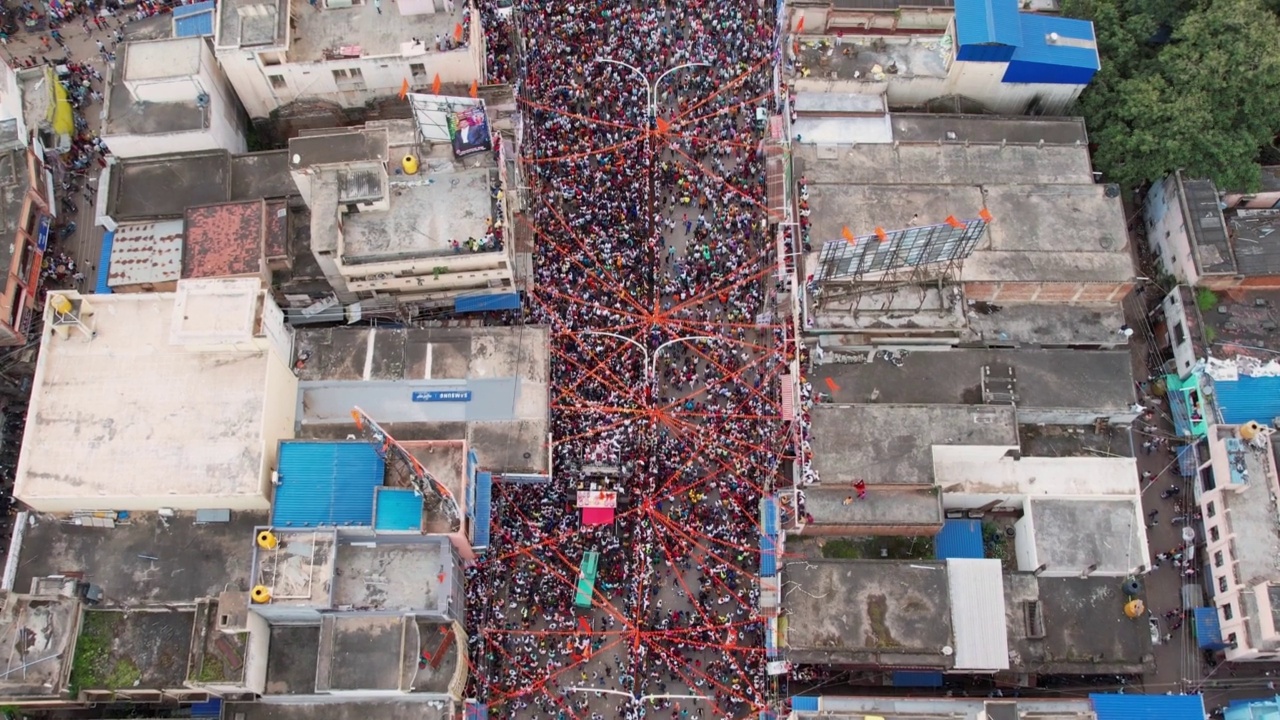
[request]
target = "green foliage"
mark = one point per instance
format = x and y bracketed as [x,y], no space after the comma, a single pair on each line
[1206,299]
[94,667]
[870,548]
[1206,101]
[1210,334]
[841,549]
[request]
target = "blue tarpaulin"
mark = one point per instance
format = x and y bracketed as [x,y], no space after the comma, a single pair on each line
[104,264]
[193,20]
[917,678]
[768,556]
[210,708]
[804,702]
[487,303]
[484,495]
[1208,629]
[959,539]
[769,513]
[1148,707]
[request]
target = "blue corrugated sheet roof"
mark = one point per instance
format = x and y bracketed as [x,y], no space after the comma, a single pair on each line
[484,509]
[987,22]
[104,264]
[804,702]
[1256,709]
[326,483]
[769,511]
[1148,707]
[1070,60]
[1248,398]
[768,556]
[1208,628]
[193,20]
[917,678]
[397,510]
[210,708]
[959,539]
[487,303]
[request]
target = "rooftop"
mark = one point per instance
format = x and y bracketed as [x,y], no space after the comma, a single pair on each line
[1073,534]
[137,419]
[893,443]
[36,633]
[407,707]
[385,653]
[148,560]
[1000,470]
[948,164]
[224,240]
[338,146]
[948,708]
[1047,325]
[868,611]
[409,574]
[504,419]
[1255,242]
[987,129]
[300,569]
[889,506]
[1247,503]
[146,253]
[163,187]
[253,23]
[1085,630]
[132,650]
[365,31]
[291,661]
[13,189]
[1083,379]
[1243,323]
[1207,227]
[423,219]
[873,60]
[135,108]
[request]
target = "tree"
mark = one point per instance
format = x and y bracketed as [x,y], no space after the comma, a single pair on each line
[1206,101]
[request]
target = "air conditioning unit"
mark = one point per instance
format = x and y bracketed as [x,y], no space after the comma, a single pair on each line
[337,4]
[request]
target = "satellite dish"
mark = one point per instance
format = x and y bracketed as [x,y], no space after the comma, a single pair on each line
[947,650]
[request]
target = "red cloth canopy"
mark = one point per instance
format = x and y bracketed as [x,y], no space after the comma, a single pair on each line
[597,515]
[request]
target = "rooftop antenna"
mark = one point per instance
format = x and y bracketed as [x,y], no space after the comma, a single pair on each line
[70,311]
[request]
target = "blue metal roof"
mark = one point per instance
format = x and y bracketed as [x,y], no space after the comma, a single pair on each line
[917,678]
[1208,628]
[768,556]
[1256,709]
[1072,59]
[484,509]
[769,515]
[193,20]
[397,510]
[959,539]
[1248,398]
[477,711]
[486,303]
[1148,707]
[804,702]
[987,22]
[104,264]
[211,708]
[326,483]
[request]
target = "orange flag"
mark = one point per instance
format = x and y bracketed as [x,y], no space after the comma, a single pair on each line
[848,234]
[953,222]
[435,85]
[833,385]
[985,214]
[800,25]
[881,235]
[474,92]
[663,126]
[457,32]
[404,89]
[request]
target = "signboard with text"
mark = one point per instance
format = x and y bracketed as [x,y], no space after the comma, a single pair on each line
[442,396]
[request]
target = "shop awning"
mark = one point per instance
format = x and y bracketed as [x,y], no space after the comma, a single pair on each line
[486,303]
[597,515]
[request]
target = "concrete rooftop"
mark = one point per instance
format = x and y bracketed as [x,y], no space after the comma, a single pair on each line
[868,612]
[423,218]
[172,59]
[291,660]
[300,570]
[1073,533]
[890,506]
[133,420]
[1086,631]
[892,444]
[873,61]
[37,633]
[948,164]
[1047,325]
[163,187]
[255,24]
[145,650]
[985,129]
[148,560]
[401,575]
[1087,380]
[319,35]
[400,708]
[365,652]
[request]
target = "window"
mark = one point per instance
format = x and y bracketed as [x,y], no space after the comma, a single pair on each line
[349,79]
[1227,612]
[1231,639]
[1210,510]
[418,69]
[1179,333]
[1218,560]
[277,81]
[1214,536]
[1222,584]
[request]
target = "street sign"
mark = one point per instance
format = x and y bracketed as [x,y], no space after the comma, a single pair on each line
[442,396]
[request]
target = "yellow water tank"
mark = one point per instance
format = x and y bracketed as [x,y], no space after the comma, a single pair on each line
[261,594]
[1249,431]
[60,303]
[1135,608]
[267,540]
[410,165]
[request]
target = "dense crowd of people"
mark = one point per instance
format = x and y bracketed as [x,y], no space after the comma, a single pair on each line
[654,271]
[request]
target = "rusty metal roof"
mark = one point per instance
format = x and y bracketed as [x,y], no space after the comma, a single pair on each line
[224,240]
[146,253]
[277,239]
